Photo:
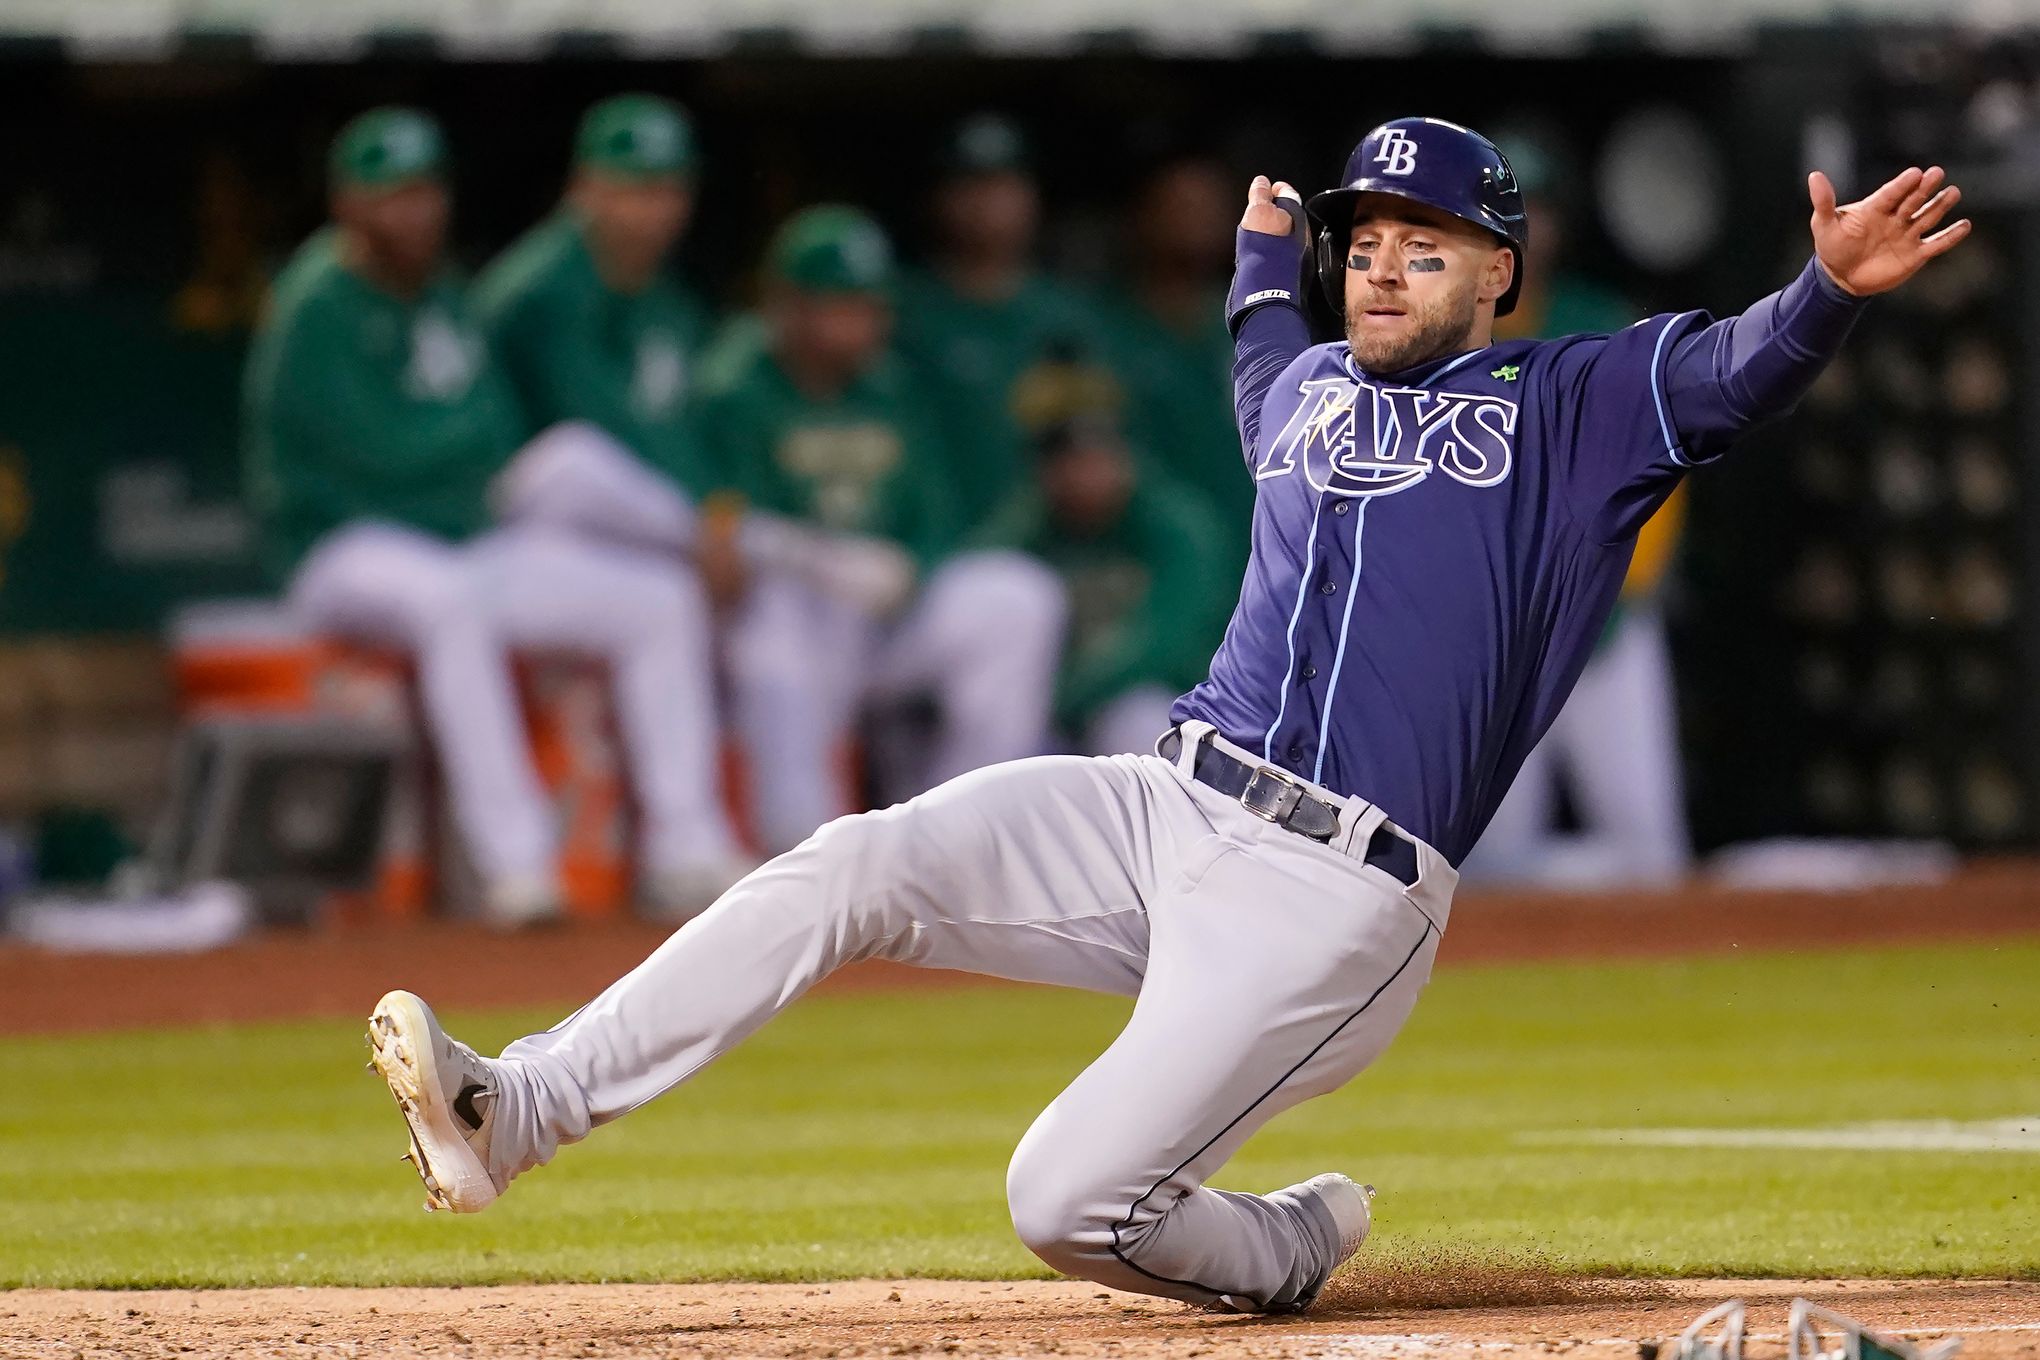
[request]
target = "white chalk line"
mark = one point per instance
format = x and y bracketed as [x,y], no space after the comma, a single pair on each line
[2018,1134]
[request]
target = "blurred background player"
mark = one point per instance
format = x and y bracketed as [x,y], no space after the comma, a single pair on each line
[600,344]
[813,416]
[1148,596]
[375,419]
[981,313]
[1615,744]
[583,312]
[1165,331]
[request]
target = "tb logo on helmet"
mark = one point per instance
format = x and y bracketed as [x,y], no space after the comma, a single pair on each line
[1397,154]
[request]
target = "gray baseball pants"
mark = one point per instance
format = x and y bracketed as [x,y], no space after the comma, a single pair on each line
[1268,968]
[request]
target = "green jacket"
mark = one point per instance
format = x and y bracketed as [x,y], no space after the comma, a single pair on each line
[575,349]
[1148,598]
[1179,409]
[866,461]
[358,405]
[974,358]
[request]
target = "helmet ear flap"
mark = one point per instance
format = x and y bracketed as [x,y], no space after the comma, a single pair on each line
[1331,272]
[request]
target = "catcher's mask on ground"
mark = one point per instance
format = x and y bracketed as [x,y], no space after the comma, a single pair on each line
[1816,1333]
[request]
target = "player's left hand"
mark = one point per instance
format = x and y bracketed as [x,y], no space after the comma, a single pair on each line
[1875,245]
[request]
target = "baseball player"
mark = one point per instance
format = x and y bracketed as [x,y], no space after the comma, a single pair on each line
[1441,525]
[375,419]
[1166,335]
[581,311]
[981,315]
[1148,595]
[813,418]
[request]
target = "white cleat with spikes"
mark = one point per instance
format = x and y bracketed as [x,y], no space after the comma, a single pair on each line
[1350,1207]
[448,1097]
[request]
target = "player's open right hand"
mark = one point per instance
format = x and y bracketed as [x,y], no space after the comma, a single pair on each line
[1264,214]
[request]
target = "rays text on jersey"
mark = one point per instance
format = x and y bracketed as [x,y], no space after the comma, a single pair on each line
[1360,439]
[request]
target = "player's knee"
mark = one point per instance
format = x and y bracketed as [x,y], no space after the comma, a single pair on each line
[1053,1214]
[444,600]
[676,596]
[639,601]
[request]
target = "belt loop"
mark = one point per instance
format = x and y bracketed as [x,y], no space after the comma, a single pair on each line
[1358,821]
[1193,732]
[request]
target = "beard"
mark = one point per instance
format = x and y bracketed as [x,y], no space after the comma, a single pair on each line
[1444,326]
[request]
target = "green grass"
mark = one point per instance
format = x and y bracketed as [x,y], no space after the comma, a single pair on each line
[868,1135]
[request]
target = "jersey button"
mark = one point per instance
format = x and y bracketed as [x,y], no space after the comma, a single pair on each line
[1328,588]
[1295,751]
[1310,672]
[1342,507]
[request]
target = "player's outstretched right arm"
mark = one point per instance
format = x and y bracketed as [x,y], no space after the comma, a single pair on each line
[1262,309]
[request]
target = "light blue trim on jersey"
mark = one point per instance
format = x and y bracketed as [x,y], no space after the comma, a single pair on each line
[1302,592]
[1657,391]
[1352,593]
[1461,360]
[1339,657]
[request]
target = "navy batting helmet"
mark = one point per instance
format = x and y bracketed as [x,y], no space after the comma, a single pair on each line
[1426,160]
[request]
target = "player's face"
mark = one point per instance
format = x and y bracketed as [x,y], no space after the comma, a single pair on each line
[1089,483]
[839,334]
[1186,218]
[1419,284]
[633,223]
[403,228]
[992,216]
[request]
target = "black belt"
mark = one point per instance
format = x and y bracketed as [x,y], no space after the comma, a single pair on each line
[1277,796]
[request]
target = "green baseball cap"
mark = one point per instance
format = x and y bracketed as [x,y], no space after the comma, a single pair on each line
[386,148]
[636,136]
[985,144]
[832,249]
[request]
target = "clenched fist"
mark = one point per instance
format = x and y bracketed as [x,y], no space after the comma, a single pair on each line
[1263,213]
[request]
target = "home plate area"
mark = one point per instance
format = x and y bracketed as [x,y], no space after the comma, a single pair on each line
[1498,1312]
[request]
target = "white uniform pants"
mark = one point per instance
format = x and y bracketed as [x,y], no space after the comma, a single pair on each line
[1268,969]
[1618,738]
[983,638]
[459,611]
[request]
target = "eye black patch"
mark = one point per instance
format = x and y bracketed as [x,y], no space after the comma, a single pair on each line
[1427,264]
[1360,262]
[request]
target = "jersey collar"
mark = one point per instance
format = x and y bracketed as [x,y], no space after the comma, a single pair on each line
[1421,375]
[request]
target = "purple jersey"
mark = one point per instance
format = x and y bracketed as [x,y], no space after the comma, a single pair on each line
[1435,551]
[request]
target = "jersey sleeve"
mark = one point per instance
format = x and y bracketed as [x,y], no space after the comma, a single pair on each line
[1267,320]
[927,517]
[1607,421]
[557,362]
[1633,411]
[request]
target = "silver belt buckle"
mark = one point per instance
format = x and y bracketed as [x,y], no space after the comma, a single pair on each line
[1287,795]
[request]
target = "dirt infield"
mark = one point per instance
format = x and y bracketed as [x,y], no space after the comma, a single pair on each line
[342,971]
[920,1317]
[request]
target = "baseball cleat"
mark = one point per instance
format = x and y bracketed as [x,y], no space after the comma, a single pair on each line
[448,1097]
[1347,1204]
[1351,1206]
